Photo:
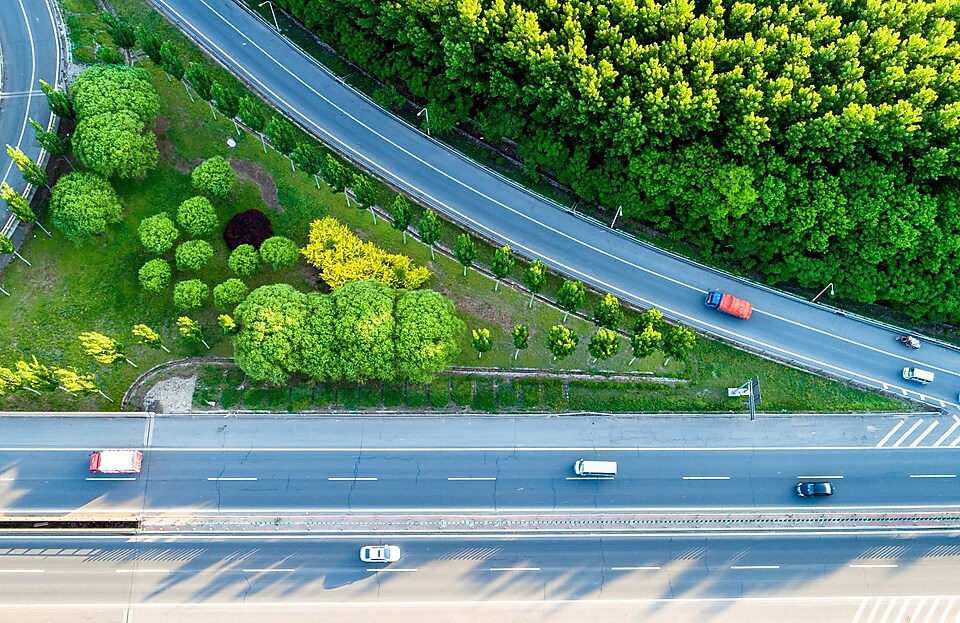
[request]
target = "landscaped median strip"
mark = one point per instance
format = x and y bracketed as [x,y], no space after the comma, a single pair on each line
[560,522]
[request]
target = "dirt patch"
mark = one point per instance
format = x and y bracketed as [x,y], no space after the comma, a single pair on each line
[264,181]
[487,312]
[173,395]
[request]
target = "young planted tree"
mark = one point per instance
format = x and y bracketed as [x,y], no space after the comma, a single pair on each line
[252,117]
[244,260]
[308,158]
[534,278]
[465,250]
[336,176]
[502,264]
[562,341]
[6,246]
[282,135]
[190,329]
[193,255]
[227,324]
[105,350]
[10,381]
[402,213]
[650,318]
[429,228]
[190,294]
[58,101]
[521,338]
[604,344]
[19,206]
[171,64]
[157,233]
[36,377]
[79,384]
[31,171]
[214,176]
[481,341]
[155,275]
[150,44]
[148,337]
[229,294]
[365,193]
[198,77]
[197,216]
[644,343]
[678,341]
[608,313]
[570,297]
[123,34]
[279,252]
[53,144]
[227,102]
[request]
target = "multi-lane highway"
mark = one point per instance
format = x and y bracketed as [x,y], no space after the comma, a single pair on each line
[676,579]
[781,326]
[29,52]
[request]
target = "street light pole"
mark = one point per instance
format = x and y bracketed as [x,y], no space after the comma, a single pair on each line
[829,285]
[426,113]
[271,13]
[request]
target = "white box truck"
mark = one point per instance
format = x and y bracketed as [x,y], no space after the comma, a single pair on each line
[595,468]
[116,462]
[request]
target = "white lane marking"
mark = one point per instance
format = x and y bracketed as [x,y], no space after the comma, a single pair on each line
[390,175]
[392,570]
[887,437]
[367,450]
[7,479]
[916,613]
[886,613]
[876,607]
[953,427]
[514,568]
[468,478]
[22,570]
[947,610]
[364,479]
[33,80]
[908,433]
[873,566]
[917,441]
[589,478]
[953,444]
[933,475]
[104,478]
[634,568]
[142,570]
[819,477]
[903,610]
[268,570]
[225,478]
[863,605]
[933,608]
[706,477]
[754,566]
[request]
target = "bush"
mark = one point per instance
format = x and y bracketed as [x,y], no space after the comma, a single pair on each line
[114,144]
[251,227]
[155,275]
[229,294]
[279,252]
[193,255]
[197,217]
[115,88]
[214,176]
[190,294]
[244,260]
[157,233]
[83,204]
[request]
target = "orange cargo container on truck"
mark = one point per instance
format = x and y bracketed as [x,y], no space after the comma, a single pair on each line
[728,304]
[116,462]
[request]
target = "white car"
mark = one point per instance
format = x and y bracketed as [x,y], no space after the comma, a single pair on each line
[380,553]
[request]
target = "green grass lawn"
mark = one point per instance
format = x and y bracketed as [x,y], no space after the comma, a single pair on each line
[71,289]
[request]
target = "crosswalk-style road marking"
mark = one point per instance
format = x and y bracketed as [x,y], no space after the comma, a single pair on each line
[915,437]
[922,609]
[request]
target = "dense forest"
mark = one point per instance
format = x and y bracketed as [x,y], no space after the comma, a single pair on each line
[813,141]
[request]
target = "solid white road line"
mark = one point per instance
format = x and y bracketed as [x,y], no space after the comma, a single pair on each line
[953,427]
[953,444]
[819,477]
[754,566]
[933,475]
[917,441]
[142,570]
[223,479]
[916,613]
[22,570]
[706,477]
[514,568]
[391,570]
[873,566]
[623,449]
[351,479]
[634,568]
[893,430]
[908,433]
[110,478]
[468,478]
[268,570]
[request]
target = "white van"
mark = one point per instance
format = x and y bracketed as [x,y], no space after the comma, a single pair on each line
[595,468]
[917,375]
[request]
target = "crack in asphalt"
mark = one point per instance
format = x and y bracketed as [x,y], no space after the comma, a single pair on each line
[603,568]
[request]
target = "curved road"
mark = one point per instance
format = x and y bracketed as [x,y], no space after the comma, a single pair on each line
[782,326]
[30,47]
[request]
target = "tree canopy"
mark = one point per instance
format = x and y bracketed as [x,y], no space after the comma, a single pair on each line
[115,88]
[114,144]
[83,204]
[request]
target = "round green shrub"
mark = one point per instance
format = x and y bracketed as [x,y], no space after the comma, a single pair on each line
[193,254]
[155,275]
[190,294]
[244,260]
[214,176]
[157,233]
[229,294]
[197,217]
[279,252]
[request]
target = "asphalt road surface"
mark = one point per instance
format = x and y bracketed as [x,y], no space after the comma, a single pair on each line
[30,52]
[859,579]
[782,326]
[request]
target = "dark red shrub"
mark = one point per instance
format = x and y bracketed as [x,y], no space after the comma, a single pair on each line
[251,227]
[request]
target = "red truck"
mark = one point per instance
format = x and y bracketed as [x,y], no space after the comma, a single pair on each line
[729,304]
[116,462]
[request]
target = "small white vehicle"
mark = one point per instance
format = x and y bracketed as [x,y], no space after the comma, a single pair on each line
[595,468]
[380,553]
[917,375]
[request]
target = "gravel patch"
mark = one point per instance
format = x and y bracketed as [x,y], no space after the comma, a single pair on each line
[173,395]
